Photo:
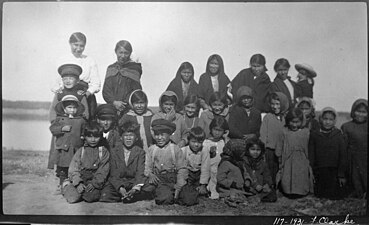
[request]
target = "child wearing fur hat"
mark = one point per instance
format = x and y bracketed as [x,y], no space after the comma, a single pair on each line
[197,162]
[305,80]
[356,135]
[244,119]
[260,180]
[88,169]
[165,164]
[328,157]
[106,117]
[67,129]
[139,113]
[271,128]
[307,105]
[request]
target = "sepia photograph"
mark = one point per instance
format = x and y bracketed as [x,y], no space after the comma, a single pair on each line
[185,112]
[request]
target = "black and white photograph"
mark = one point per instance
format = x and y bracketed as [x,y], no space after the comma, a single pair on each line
[185,112]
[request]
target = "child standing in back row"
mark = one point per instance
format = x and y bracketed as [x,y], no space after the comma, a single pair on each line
[305,80]
[271,129]
[67,129]
[296,178]
[356,133]
[328,157]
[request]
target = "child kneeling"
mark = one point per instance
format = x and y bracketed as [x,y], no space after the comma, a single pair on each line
[88,169]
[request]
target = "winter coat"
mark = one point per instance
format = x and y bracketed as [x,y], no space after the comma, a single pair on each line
[259,173]
[260,86]
[306,89]
[279,85]
[133,171]
[198,161]
[227,174]
[205,84]
[88,159]
[328,150]
[112,137]
[295,171]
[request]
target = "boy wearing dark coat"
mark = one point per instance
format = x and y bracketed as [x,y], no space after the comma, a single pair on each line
[356,134]
[244,119]
[88,169]
[127,164]
[106,117]
[67,129]
[328,157]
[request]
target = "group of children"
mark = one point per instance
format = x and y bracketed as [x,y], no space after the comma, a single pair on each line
[218,146]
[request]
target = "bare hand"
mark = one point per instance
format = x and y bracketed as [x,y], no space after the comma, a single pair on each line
[213,151]
[66,128]
[119,105]
[88,93]
[259,188]
[89,188]
[123,192]
[202,189]
[182,143]
[171,115]
[249,136]
[80,188]
[266,188]
[131,193]
[153,179]
[342,181]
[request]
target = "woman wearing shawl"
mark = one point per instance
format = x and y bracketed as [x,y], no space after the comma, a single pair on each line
[122,77]
[184,84]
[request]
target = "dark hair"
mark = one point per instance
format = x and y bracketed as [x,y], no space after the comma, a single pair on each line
[219,121]
[93,129]
[130,126]
[255,141]
[273,96]
[185,65]
[192,99]
[138,95]
[294,113]
[165,98]
[70,102]
[281,62]
[216,96]
[258,58]
[196,133]
[331,112]
[76,37]
[312,113]
[124,44]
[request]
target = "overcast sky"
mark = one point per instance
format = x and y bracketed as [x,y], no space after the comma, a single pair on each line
[332,37]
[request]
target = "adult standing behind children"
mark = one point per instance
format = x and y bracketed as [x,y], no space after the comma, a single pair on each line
[213,80]
[257,79]
[184,84]
[90,74]
[122,77]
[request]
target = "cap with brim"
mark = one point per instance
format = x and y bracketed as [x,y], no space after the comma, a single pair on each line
[70,70]
[162,125]
[308,68]
[71,98]
[106,111]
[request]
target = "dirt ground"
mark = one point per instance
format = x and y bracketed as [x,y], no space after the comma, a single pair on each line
[28,189]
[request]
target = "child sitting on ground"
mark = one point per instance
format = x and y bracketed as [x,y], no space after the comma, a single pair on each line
[89,168]
[164,164]
[67,130]
[197,162]
[328,157]
[356,133]
[127,164]
[214,145]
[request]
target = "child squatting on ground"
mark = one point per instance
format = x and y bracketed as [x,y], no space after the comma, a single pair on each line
[67,129]
[88,169]
[165,164]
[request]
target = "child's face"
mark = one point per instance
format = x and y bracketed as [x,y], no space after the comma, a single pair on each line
[69,81]
[295,124]
[305,108]
[186,75]
[247,101]
[190,109]
[275,105]
[71,109]
[282,72]
[168,106]
[217,107]
[195,145]
[257,68]
[217,133]
[328,120]
[77,48]
[255,151]
[361,114]
[129,139]
[302,75]
[123,55]
[161,138]
[139,107]
[92,141]
[214,66]
[105,123]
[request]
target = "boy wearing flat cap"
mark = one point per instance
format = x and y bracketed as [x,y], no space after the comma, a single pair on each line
[71,86]
[106,117]
[305,81]
[165,164]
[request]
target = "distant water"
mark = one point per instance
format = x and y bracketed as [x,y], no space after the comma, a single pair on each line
[26,134]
